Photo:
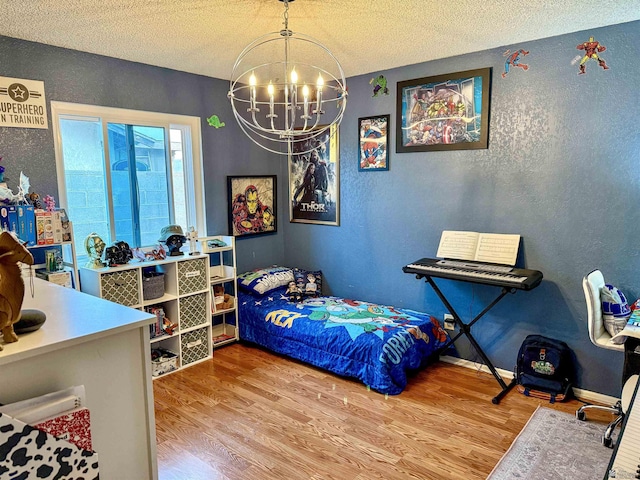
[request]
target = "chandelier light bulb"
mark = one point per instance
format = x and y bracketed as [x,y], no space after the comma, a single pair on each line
[272,114]
[305,107]
[252,99]
[294,76]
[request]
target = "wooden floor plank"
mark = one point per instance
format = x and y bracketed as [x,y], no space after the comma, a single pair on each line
[250,414]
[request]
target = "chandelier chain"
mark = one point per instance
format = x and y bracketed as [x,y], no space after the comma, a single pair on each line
[285,15]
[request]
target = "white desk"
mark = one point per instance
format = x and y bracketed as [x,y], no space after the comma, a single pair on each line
[103,346]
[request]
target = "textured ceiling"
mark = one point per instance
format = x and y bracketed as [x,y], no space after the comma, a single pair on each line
[206,36]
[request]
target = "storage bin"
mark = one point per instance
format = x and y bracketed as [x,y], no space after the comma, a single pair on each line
[153,286]
[195,345]
[163,361]
[192,276]
[121,287]
[193,311]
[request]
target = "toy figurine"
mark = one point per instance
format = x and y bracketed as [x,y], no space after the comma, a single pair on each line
[138,254]
[94,246]
[34,199]
[294,292]
[173,237]
[50,203]
[214,121]
[192,235]
[157,253]
[11,283]
[118,254]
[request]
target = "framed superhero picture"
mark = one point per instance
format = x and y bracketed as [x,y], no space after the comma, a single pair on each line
[444,112]
[373,143]
[314,186]
[252,205]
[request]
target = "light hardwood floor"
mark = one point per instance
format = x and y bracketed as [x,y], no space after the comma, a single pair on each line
[249,414]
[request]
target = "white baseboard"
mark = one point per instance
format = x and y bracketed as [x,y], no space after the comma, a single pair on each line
[584,395]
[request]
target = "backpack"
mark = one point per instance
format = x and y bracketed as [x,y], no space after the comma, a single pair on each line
[544,368]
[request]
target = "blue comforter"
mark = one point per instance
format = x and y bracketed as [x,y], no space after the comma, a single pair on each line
[377,344]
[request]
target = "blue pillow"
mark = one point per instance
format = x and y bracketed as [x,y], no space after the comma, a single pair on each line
[264,280]
[309,283]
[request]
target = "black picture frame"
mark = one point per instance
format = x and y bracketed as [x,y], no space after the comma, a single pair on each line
[444,112]
[373,143]
[252,205]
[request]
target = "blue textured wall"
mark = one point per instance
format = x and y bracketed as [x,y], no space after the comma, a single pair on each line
[78,77]
[561,170]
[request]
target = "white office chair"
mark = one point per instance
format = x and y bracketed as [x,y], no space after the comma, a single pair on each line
[592,285]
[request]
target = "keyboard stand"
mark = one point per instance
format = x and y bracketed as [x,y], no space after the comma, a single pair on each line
[465,329]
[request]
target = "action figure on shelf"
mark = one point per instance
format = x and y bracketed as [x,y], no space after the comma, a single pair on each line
[192,235]
[118,254]
[173,237]
[94,245]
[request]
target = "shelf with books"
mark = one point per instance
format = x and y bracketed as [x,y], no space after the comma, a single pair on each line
[65,272]
[222,337]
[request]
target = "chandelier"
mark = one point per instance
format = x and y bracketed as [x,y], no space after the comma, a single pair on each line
[287,88]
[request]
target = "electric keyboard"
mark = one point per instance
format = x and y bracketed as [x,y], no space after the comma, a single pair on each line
[476,272]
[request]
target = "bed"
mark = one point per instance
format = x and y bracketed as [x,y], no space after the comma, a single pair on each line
[379,345]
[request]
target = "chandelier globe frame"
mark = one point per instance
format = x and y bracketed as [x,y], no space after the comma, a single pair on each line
[292,99]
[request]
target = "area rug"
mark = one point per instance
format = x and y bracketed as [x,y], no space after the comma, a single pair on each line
[555,445]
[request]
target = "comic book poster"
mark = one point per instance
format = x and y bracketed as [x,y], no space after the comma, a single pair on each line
[314,193]
[252,205]
[373,137]
[444,112]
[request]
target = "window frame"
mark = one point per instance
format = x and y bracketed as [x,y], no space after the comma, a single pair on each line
[194,169]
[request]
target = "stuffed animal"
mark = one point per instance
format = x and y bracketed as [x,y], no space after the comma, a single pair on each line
[227,303]
[222,300]
[11,283]
[294,293]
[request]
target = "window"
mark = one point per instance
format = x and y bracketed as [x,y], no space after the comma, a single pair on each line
[125,174]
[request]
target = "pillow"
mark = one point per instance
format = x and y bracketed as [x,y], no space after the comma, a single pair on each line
[264,280]
[309,283]
[615,311]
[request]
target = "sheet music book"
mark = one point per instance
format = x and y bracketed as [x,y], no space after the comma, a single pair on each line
[479,247]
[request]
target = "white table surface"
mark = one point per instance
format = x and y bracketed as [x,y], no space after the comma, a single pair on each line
[73,317]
